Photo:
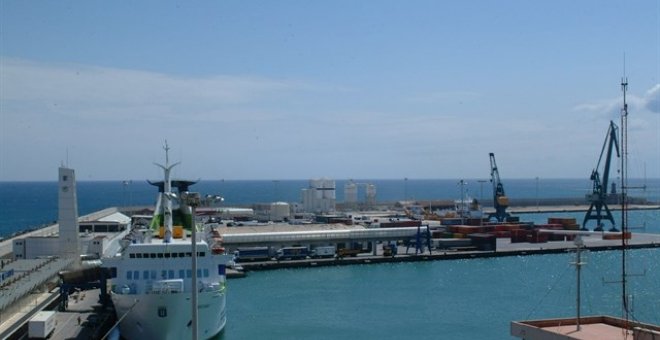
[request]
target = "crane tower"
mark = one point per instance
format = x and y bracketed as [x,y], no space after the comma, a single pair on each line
[598,209]
[500,201]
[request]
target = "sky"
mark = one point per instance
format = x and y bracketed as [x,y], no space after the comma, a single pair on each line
[370,89]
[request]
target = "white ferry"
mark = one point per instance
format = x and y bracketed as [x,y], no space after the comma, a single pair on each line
[152,286]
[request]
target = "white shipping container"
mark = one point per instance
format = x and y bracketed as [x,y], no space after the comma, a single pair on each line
[41,325]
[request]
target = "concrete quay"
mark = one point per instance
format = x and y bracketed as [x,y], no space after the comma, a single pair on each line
[593,242]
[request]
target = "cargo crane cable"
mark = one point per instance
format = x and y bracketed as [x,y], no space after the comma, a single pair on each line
[599,195]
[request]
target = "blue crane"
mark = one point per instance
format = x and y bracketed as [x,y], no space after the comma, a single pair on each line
[500,201]
[598,209]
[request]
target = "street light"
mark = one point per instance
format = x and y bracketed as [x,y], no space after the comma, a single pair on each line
[537,193]
[192,199]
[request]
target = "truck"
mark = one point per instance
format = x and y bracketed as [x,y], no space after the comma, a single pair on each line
[292,253]
[324,251]
[253,254]
[343,252]
[42,325]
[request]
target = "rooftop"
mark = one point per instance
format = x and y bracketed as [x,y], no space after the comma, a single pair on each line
[591,327]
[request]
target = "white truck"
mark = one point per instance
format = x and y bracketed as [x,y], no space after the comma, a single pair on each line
[41,325]
[325,251]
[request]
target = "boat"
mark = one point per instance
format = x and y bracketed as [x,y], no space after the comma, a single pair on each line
[159,274]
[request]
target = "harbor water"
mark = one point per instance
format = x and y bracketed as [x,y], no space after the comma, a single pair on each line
[457,299]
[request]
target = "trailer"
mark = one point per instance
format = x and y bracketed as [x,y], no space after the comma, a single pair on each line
[253,254]
[292,253]
[42,325]
[324,251]
[343,252]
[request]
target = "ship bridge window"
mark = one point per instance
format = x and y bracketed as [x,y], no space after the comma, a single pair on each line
[160,255]
[152,255]
[175,254]
[201,254]
[167,255]
[188,254]
[138,255]
[131,255]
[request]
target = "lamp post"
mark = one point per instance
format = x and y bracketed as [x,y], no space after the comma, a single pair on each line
[192,199]
[405,188]
[537,193]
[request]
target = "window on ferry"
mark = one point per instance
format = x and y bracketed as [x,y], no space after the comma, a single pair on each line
[145,255]
[182,273]
[152,255]
[138,255]
[167,255]
[182,255]
[163,274]
[174,254]
[136,275]
[129,275]
[153,274]
[188,273]
[201,254]
[206,272]
[131,255]
[170,274]
[160,255]
[189,254]
[145,274]
[199,273]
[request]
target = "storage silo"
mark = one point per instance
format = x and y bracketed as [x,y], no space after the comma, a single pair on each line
[350,192]
[280,211]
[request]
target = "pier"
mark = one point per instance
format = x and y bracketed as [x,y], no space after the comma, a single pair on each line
[34,287]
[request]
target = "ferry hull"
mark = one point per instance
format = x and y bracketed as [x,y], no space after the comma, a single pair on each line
[168,316]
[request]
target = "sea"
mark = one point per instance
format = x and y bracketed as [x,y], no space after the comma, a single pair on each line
[451,299]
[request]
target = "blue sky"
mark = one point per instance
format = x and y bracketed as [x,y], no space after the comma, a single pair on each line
[341,89]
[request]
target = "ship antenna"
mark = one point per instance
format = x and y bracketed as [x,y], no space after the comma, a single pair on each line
[624,198]
[167,194]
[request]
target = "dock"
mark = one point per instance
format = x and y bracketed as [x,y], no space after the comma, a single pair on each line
[505,248]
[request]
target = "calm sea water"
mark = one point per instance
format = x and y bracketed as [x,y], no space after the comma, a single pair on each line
[462,299]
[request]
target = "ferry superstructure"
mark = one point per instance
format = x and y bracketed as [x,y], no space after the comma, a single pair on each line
[152,277]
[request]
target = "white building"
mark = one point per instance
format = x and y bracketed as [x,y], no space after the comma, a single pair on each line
[320,197]
[68,215]
[350,193]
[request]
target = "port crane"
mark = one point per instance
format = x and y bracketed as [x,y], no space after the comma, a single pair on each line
[599,195]
[500,201]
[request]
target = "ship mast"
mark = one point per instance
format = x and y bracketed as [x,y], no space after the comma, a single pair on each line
[167,194]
